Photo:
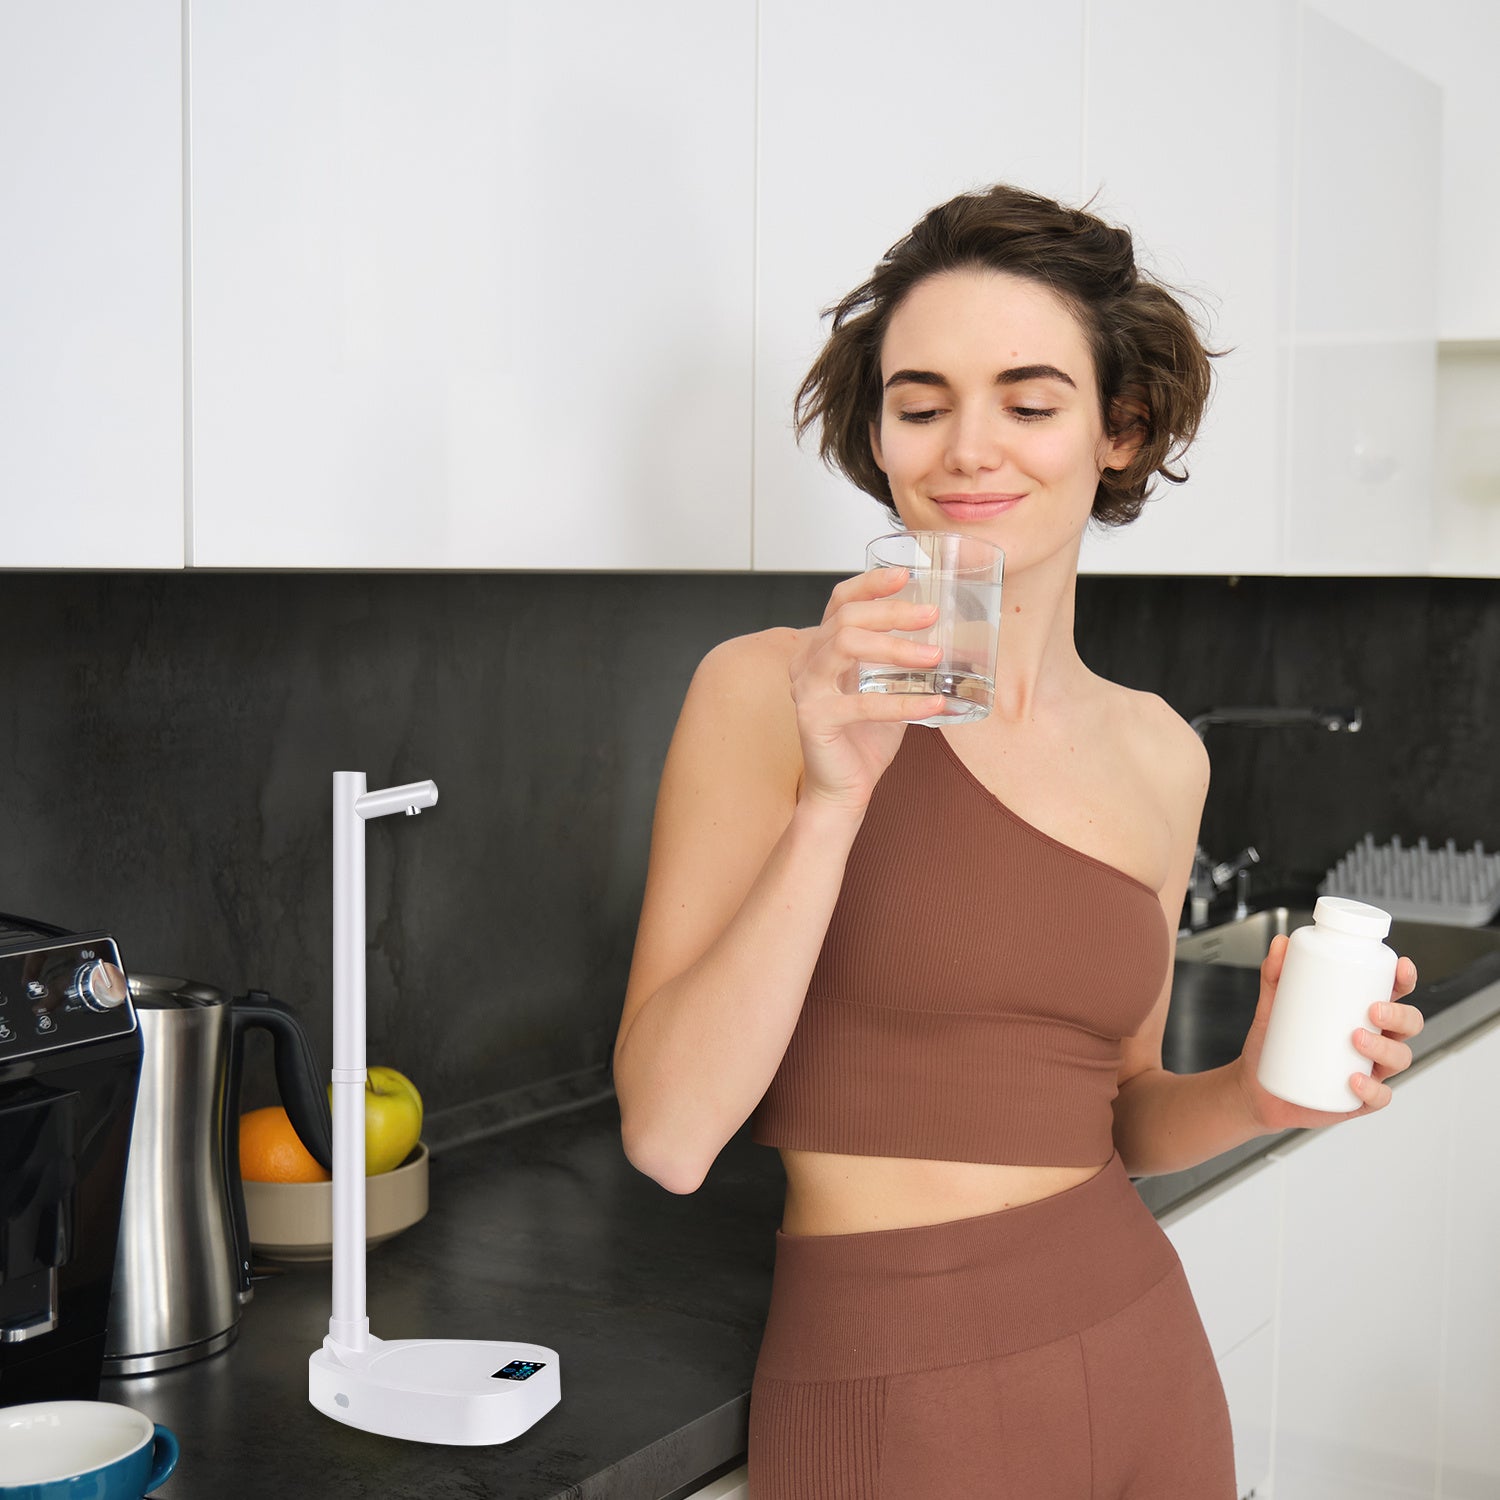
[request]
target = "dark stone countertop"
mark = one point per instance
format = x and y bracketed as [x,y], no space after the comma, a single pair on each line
[654,1302]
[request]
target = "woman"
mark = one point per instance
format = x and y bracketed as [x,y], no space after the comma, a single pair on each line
[934,963]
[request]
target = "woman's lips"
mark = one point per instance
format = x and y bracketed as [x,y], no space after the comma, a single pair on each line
[976,507]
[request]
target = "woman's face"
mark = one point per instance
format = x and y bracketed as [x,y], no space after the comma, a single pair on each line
[989,420]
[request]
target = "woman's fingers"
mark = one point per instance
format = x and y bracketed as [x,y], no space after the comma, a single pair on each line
[830,662]
[875,584]
[1386,1052]
[1376,1095]
[890,708]
[1396,1019]
[853,643]
[1384,1041]
[1386,1047]
[887,614]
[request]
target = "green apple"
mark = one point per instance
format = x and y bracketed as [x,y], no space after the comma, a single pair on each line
[393,1118]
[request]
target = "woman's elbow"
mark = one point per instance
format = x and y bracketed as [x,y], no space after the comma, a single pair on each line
[663,1162]
[673,1173]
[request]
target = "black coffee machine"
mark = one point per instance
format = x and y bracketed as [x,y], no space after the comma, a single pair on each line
[70,1059]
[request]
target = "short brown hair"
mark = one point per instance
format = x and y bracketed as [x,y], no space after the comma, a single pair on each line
[1151,364]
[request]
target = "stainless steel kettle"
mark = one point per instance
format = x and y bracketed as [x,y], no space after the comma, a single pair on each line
[182,1268]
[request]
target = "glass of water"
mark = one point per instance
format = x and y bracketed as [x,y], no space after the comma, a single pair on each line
[961,575]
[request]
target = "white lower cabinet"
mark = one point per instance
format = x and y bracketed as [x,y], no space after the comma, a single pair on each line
[1469,1466]
[732,1486]
[1359,1368]
[1227,1242]
[1249,1375]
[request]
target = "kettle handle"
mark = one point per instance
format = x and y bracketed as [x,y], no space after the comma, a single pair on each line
[297,1079]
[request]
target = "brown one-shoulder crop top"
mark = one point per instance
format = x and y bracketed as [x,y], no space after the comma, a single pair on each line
[974,985]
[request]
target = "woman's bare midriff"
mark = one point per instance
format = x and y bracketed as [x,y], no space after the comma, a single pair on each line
[827,1193]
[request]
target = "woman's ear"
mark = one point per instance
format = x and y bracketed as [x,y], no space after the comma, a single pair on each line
[1127,430]
[875,452]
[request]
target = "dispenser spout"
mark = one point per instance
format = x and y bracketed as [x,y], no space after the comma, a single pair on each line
[410,799]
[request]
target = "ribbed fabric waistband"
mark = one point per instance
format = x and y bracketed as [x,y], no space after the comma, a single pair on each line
[850,1306]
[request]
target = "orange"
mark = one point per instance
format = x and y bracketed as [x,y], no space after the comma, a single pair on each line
[271,1151]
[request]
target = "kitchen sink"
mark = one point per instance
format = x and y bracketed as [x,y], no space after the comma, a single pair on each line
[1439,951]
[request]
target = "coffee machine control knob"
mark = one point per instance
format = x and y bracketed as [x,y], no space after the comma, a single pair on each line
[100,985]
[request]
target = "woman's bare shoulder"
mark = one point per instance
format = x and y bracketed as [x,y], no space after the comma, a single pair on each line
[751,672]
[764,653]
[740,697]
[1155,741]
[1166,747]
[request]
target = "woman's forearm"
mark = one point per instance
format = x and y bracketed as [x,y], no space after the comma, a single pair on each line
[1167,1122]
[704,1048]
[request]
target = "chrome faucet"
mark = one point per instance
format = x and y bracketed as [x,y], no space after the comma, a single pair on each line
[1210,876]
[1347,719]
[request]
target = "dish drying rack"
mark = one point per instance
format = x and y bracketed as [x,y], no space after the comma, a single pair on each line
[1420,884]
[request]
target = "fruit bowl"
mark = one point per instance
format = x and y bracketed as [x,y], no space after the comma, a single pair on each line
[294,1220]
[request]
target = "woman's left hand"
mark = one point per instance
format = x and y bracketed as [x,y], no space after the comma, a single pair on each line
[1390,1027]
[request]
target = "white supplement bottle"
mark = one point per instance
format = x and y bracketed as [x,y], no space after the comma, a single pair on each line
[1333,973]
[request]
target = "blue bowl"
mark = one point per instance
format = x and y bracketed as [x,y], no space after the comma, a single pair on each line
[82,1450]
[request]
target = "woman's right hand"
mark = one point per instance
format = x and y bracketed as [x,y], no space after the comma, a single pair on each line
[849,737]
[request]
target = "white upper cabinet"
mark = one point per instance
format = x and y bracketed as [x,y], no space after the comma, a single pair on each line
[870,116]
[471,284]
[1261,183]
[480,284]
[1289,176]
[91,418]
[1466,502]
[1183,124]
[1455,44]
[1363,319]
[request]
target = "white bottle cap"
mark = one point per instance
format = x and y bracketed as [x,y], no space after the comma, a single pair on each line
[1357,918]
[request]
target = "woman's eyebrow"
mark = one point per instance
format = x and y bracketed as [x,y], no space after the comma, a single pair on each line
[915,377]
[1017,376]
[1033,372]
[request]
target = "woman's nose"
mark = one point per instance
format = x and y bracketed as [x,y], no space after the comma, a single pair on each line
[975,441]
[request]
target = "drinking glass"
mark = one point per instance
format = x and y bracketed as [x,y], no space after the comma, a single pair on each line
[962,576]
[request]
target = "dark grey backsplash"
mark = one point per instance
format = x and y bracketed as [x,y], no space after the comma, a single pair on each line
[167,744]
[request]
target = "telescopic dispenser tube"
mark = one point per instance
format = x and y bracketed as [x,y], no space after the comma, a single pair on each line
[468,1391]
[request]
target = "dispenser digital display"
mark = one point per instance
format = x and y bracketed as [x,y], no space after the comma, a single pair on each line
[519,1369]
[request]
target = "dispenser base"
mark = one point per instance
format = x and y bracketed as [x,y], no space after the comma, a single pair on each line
[459,1391]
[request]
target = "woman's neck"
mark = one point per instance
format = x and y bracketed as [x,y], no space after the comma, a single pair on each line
[1038,662]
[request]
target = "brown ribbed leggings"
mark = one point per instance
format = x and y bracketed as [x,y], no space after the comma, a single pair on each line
[1051,1351]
